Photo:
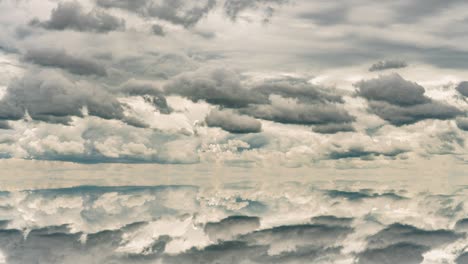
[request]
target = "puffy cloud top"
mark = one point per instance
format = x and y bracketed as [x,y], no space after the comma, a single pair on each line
[402,102]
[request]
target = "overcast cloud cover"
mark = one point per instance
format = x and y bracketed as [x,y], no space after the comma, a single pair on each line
[304,83]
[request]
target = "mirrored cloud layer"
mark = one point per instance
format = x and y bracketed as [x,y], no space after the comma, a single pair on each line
[243,83]
[298,223]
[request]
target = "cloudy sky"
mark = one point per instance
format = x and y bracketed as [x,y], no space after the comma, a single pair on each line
[138,85]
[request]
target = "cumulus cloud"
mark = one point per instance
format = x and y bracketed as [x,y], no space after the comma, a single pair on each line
[399,116]
[462,88]
[61,59]
[402,102]
[178,12]
[71,16]
[215,86]
[392,89]
[300,89]
[47,95]
[289,111]
[232,122]
[388,64]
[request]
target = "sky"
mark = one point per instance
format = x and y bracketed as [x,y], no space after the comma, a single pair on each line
[154,87]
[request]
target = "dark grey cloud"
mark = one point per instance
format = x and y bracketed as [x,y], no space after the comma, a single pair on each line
[400,233]
[48,96]
[158,30]
[295,101]
[61,59]
[392,89]
[178,12]
[462,225]
[402,102]
[133,5]
[300,89]
[230,227]
[332,220]
[362,194]
[333,128]
[310,235]
[300,114]
[331,16]
[232,122]
[218,86]
[462,259]
[399,243]
[462,88]
[233,8]
[181,12]
[71,16]
[5,125]
[399,116]
[388,64]
[398,253]
[226,252]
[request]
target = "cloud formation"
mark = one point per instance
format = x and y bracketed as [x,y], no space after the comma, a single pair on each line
[49,96]
[61,59]
[233,8]
[388,64]
[402,102]
[232,122]
[281,91]
[462,88]
[71,16]
[216,86]
[289,111]
[178,12]
[462,123]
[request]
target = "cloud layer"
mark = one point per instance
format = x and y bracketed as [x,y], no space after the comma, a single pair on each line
[233,82]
